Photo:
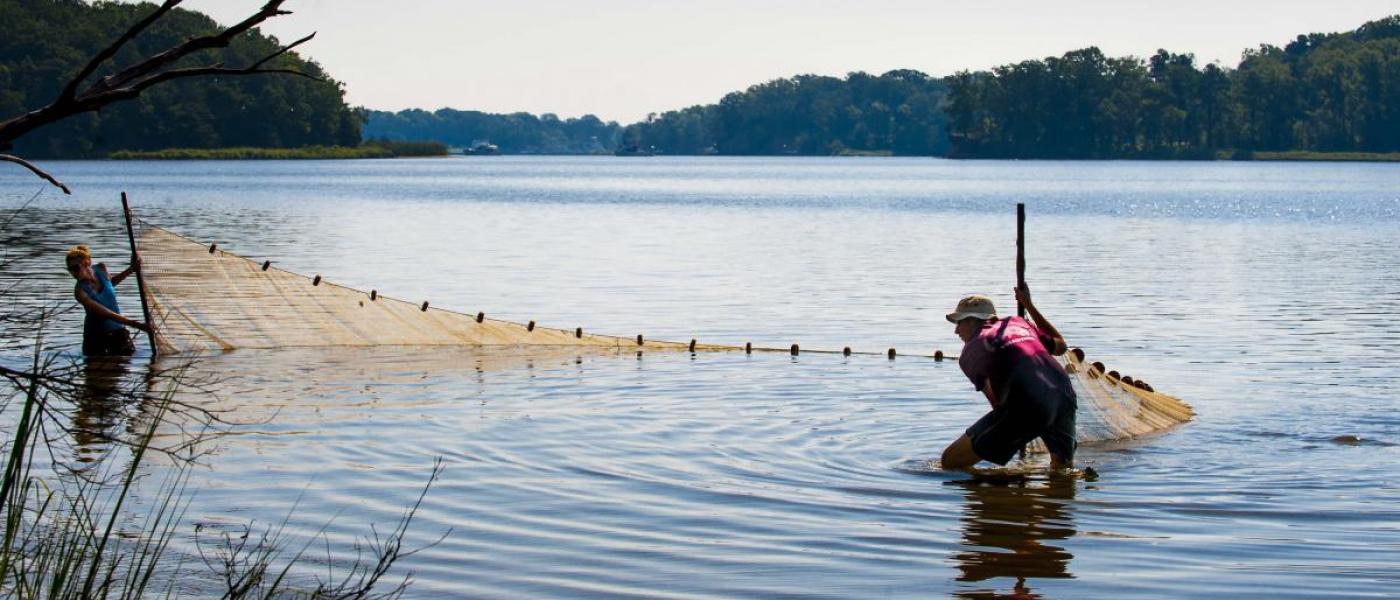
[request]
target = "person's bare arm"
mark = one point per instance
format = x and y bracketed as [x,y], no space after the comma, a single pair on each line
[96,307]
[1023,295]
[991,394]
[135,264]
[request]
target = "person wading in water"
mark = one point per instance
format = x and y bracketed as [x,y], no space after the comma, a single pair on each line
[1011,361]
[104,327]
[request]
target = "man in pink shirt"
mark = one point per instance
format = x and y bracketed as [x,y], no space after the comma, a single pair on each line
[1012,361]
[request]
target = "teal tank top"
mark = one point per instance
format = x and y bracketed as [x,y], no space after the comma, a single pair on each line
[107,296]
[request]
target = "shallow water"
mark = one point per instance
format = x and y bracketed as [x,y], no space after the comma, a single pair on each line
[1266,295]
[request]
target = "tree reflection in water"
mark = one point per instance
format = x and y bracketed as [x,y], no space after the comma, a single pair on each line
[1006,526]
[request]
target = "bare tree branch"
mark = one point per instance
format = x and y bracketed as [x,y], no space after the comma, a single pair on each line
[70,90]
[284,50]
[164,59]
[36,170]
[129,82]
[136,87]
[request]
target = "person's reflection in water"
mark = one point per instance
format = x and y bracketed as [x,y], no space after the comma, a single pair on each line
[100,404]
[1007,530]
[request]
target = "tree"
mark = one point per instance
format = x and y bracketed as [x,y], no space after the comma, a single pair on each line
[1322,92]
[898,112]
[84,93]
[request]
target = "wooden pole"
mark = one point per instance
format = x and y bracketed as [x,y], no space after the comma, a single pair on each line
[1021,268]
[140,281]
[1020,253]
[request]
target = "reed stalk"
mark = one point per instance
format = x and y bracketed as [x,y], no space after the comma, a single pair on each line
[72,534]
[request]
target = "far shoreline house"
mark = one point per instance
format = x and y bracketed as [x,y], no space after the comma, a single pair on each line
[481,148]
[634,150]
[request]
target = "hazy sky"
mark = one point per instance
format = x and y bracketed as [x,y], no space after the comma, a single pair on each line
[622,59]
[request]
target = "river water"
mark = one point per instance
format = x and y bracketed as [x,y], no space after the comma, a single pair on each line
[1267,295]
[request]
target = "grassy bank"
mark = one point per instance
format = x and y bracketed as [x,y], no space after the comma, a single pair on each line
[370,149]
[1299,155]
[864,153]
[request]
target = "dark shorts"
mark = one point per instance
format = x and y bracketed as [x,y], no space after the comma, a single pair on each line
[116,342]
[1036,407]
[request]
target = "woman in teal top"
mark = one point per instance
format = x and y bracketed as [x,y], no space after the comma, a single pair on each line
[104,327]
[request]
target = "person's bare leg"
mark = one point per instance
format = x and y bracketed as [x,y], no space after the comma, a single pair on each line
[1058,463]
[959,454]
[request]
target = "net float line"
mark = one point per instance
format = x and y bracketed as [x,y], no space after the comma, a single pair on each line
[206,298]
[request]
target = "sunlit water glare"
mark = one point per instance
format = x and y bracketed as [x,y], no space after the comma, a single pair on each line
[1266,295]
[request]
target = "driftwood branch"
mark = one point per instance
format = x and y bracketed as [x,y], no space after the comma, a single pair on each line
[129,82]
[36,170]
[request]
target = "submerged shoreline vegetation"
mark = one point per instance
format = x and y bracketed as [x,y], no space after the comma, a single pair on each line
[370,149]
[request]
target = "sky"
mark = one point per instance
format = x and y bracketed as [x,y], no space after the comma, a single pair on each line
[622,59]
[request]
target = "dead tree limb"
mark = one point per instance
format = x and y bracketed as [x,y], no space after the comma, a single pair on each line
[36,170]
[129,82]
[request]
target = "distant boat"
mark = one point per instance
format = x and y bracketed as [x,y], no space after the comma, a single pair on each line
[481,148]
[633,150]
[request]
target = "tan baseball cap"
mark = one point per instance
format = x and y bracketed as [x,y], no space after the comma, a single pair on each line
[977,307]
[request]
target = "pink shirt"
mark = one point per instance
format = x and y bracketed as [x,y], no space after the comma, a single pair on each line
[1001,347]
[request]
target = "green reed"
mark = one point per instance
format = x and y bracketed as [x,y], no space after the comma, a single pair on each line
[68,536]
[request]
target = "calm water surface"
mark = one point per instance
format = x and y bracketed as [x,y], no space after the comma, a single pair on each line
[1266,295]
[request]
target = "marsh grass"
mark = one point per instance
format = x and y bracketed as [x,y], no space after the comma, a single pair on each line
[369,149]
[60,537]
[1301,155]
[307,153]
[81,525]
[75,534]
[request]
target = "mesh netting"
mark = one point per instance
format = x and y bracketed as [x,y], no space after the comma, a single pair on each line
[1113,408]
[205,299]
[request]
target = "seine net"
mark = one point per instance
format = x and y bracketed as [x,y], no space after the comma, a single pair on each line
[205,299]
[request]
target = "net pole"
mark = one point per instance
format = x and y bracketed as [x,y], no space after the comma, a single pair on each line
[1021,268]
[140,282]
[1020,253]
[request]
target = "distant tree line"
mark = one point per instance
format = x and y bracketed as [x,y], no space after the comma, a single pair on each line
[516,133]
[894,113]
[1322,93]
[43,43]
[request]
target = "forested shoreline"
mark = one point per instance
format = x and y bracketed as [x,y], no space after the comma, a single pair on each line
[515,133]
[1321,96]
[894,113]
[1321,93]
